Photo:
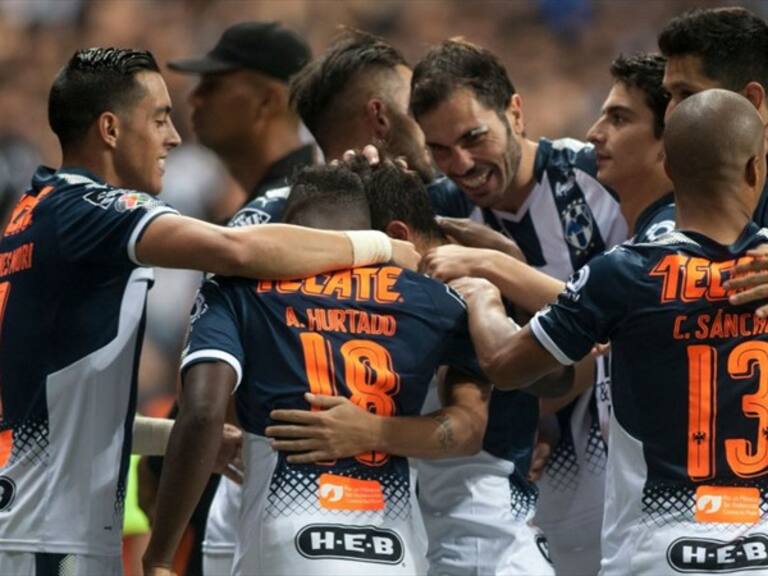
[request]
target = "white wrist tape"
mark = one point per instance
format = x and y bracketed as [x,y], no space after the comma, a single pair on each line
[369,247]
[150,435]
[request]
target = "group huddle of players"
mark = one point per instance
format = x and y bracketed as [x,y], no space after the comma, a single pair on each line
[399,376]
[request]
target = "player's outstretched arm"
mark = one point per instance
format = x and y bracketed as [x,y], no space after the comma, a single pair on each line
[509,355]
[190,457]
[265,251]
[343,430]
[520,283]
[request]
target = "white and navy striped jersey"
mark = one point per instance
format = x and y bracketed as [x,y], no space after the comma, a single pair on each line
[72,300]
[567,219]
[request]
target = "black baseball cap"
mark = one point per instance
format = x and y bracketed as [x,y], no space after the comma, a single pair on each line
[266,47]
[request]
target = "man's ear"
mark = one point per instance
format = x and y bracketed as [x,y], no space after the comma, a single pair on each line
[752,171]
[515,115]
[108,126]
[755,93]
[376,114]
[398,230]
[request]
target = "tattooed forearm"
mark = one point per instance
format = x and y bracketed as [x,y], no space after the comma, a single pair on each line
[444,431]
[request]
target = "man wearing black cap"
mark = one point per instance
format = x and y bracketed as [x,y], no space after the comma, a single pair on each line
[240,110]
[240,106]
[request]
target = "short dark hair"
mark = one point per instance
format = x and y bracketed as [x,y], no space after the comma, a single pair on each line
[397,194]
[731,42]
[314,88]
[646,73]
[459,64]
[94,81]
[332,189]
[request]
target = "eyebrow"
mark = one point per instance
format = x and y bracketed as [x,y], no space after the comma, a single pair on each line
[471,133]
[162,110]
[618,109]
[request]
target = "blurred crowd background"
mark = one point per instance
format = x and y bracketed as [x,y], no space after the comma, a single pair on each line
[557,53]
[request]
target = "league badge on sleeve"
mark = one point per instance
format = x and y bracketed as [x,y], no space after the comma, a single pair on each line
[133,200]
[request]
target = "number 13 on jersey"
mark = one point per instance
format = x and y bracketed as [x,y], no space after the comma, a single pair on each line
[746,458]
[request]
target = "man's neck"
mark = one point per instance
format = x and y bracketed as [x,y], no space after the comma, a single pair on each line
[249,163]
[638,194]
[524,180]
[97,164]
[720,218]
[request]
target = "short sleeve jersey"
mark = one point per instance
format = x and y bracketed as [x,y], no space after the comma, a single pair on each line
[72,296]
[688,373]
[375,335]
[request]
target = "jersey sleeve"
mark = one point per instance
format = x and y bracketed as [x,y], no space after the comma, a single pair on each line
[103,225]
[458,351]
[214,334]
[594,300]
[262,209]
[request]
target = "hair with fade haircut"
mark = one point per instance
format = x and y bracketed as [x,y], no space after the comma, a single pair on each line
[731,42]
[314,88]
[330,189]
[455,64]
[398,194]
[645,72]
[94,81]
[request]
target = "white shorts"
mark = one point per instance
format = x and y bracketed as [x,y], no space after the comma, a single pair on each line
[218,563]
[691,548]
[302,520]
[46,564]
[223,517]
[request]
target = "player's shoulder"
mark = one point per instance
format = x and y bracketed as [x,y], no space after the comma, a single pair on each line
[565,155]
[263,209]
[655,221]
[439,295]
[79,190]
[448,199]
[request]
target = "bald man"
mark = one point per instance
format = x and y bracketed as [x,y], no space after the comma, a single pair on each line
[687,478]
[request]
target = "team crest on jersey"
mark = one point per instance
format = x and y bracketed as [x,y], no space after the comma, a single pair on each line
[249,216]
[133,200]
[102,198]
[578,224]
[358,543]
[719,556]
[7,493]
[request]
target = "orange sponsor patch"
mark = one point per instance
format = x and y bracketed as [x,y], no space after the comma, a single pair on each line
[727,504]
[342,493]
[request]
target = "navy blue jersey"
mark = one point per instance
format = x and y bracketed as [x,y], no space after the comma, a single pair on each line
[72,297]
[688,370]
[264,209]
[656,220]
[375,335]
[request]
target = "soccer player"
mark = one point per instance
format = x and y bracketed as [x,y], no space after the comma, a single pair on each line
[240,106]
[545,197]
[73,281]
[688,457]
[722,48]
[374,334]
[356,93]
[718,48]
